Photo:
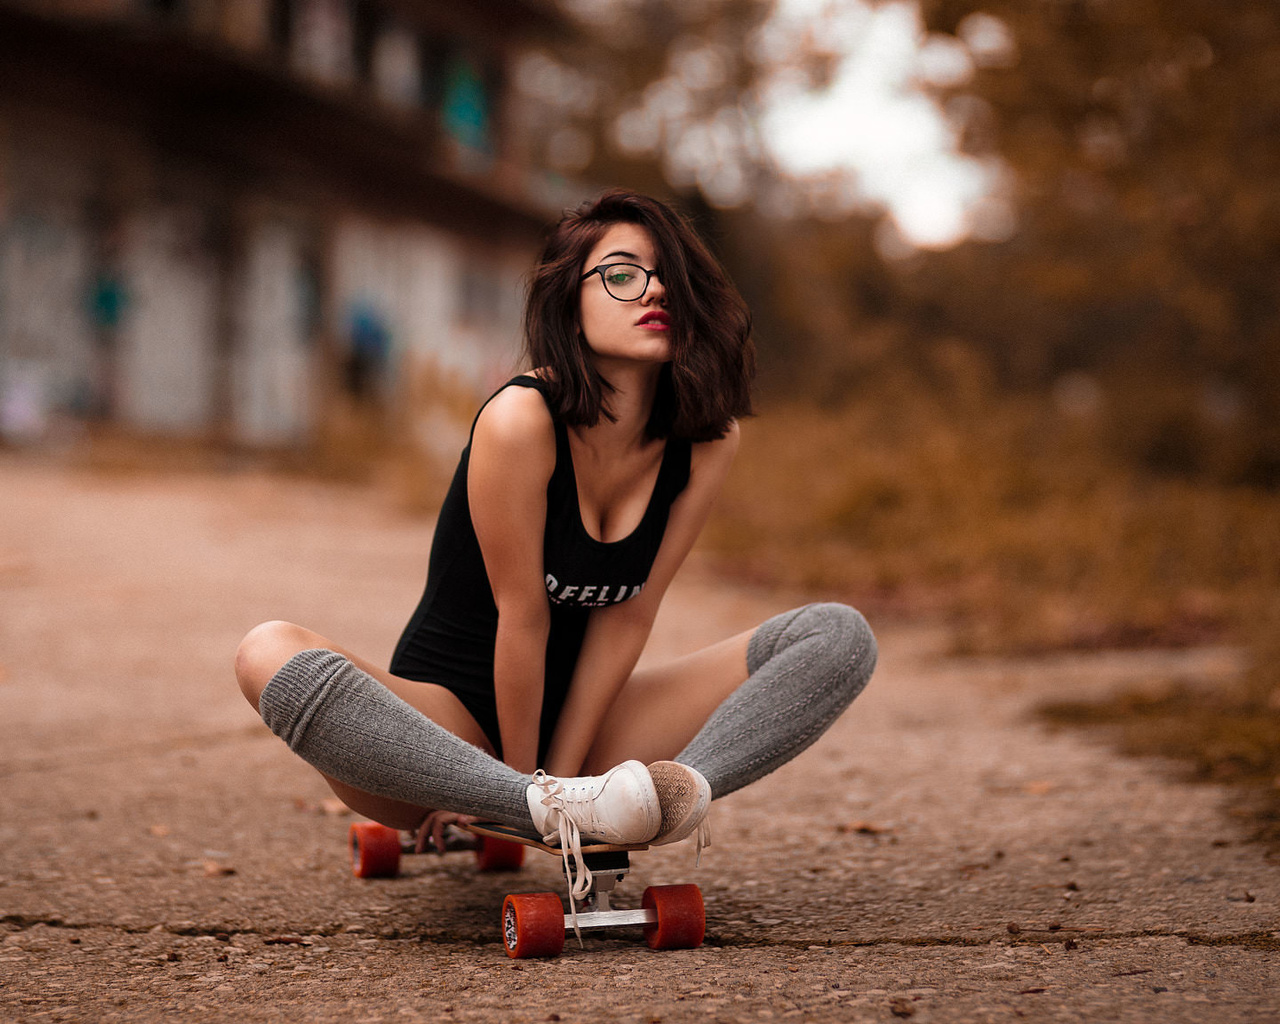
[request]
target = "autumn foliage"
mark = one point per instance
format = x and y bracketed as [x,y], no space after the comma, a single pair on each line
[1072,436]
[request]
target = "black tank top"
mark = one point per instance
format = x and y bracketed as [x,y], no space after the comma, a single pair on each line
[450,637]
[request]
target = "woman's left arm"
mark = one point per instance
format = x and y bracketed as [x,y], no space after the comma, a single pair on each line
[616,634]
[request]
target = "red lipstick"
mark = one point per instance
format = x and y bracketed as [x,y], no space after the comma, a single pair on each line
[655,318]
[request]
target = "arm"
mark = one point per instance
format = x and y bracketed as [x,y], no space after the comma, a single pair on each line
[616,635]
[513,454]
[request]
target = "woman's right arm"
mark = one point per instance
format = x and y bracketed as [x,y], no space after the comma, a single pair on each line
[513,454]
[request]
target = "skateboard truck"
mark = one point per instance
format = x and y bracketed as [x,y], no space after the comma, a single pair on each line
[593,910]
[607,870]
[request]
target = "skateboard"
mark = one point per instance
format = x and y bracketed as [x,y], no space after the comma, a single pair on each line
[535,924]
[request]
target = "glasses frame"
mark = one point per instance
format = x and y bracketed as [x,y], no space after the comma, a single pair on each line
[603,267]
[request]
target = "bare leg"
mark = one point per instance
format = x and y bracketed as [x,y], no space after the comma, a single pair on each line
[268,647]
[742,708]
[662,708]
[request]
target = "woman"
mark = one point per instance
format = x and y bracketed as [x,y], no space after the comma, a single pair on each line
[513,694]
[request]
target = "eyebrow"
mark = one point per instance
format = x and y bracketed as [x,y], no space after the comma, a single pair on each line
[620,252]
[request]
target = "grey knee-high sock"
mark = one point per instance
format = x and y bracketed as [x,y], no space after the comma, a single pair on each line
[806,666]
[342,721]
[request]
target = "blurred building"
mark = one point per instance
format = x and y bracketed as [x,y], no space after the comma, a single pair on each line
[230,218]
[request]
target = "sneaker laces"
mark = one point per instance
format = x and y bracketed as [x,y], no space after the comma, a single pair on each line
[704,838]
[570,811]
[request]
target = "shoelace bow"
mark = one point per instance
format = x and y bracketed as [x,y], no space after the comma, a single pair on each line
[569,834]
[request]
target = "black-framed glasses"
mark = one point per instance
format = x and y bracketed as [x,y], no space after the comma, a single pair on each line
[625,282]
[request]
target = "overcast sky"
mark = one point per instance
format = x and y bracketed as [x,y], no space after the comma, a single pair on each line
[876,124]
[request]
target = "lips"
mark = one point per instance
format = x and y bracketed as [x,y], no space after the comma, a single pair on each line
[654,318]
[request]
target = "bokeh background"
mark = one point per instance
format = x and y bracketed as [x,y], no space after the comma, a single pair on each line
[1015,269]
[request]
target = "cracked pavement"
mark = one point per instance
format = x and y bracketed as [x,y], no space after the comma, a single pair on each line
[939,855]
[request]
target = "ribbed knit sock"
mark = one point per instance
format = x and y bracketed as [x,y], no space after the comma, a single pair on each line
[344,722]
[806,666]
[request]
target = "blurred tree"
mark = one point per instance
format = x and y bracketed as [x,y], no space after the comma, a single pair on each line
[674,100]
[1144,139]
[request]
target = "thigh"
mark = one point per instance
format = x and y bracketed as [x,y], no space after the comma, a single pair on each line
[268,647]
[660,709]
[438,704]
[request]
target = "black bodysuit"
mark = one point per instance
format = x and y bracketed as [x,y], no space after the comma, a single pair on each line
[450,638]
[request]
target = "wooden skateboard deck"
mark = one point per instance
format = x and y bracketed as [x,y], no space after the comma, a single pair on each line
[511,834]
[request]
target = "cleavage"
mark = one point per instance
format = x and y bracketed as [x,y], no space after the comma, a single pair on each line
[613,504]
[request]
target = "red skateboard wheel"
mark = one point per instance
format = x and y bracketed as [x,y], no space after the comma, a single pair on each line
[682,916]
[375,850]
[533,924]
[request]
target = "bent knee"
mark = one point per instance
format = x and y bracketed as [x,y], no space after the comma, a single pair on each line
[845,625]
[264,651]
[834,633]
[848,633]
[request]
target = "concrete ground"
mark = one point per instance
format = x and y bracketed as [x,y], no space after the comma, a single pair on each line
[938,855]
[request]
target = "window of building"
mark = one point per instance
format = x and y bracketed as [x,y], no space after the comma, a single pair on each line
[466,106]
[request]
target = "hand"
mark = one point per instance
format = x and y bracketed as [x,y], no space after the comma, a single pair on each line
[432,829]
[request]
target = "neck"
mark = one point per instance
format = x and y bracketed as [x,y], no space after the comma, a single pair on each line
[631,402]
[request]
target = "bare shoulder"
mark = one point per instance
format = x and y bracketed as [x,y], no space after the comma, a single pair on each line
[515,421]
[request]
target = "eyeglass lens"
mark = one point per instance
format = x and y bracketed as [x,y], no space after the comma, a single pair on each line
[625,281]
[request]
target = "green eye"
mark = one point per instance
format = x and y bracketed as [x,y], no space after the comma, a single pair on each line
[626,282]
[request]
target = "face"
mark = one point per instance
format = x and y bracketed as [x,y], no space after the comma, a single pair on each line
[637,331]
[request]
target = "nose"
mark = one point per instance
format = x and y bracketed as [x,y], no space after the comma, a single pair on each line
[655,292]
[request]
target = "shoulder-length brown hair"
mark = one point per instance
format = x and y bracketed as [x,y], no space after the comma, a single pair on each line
[707,383]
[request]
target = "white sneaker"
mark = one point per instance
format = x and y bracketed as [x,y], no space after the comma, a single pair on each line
[620,806]
[685,798]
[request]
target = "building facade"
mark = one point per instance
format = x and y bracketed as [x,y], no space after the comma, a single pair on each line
[236,218]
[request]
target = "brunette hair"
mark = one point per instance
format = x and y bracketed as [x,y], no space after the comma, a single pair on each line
[707,383]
